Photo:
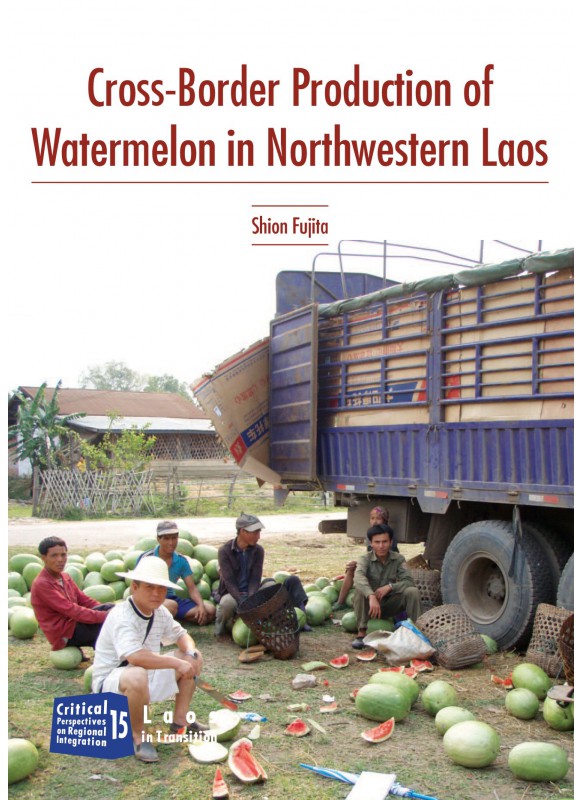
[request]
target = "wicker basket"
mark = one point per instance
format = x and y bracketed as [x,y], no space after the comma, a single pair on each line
[272,618]
[543,649]
[456,641]
[428,581]
[417,562]
[567,648]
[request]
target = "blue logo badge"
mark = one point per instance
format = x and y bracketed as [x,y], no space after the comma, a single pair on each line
[94,725]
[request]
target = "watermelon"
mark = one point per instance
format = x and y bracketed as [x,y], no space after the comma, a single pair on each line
[421,666]
[145,543]
[317,610]
[22,759]
[242,634]
[18,601]
[449,716]
[23,623]
[380,625]
[380,702]
[206,752]
[87,678]
[19,561]
[103,594]
[557,717]
[93,579]
[220,788]
[16,581]
[340,662]
[301,617]
[349,599]
[400,681]
[131,559]
[322,582]
[472,744]
[531,676]
[224,724]
[119,588]
[204,589]
[95,561]
[189,537]
[114,555]
[310,587]
[205,553]
[240,696]
[438,695]
[279,577]
[491,644]
[330,593]
[67,658]
[185,548]
[366,655]
[243,764]
[522,703]
[349,622]
[77,575]
[538,761]
[380,733]
[74,558]
[297,728]
[110,569]
[212,569]
[30,572]
[329,708]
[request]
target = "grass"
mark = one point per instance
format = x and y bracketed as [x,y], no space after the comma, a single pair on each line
[19,510]
[414,752]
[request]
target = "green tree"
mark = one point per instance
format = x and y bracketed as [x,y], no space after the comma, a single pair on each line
[131,449]
[167,383]
[114,375]
[41,433]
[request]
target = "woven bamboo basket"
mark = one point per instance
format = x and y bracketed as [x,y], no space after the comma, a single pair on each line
[428,581]
[567,648]
[456,641]
[272,618]
[543,649]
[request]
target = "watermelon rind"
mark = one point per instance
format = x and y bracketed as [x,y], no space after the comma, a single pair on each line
[243,763]
[381,733]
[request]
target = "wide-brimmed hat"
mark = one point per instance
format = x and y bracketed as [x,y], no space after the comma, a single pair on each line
[249,522]
[150,569]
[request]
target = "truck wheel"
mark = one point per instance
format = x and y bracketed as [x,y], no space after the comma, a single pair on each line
[565,592]
[499,593]
[556,548]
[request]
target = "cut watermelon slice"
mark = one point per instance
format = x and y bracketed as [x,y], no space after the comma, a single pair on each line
[392,669]
[381,733]
[353,694]
[367,655]
[239,696]
[243,763]
[340,662]
[411,672]
[421,666]
[297,728]
[220,788]
[331,708]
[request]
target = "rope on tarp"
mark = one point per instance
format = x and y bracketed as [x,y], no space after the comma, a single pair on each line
[536,263]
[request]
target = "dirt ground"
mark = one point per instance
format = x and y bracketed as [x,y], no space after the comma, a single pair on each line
[103,534]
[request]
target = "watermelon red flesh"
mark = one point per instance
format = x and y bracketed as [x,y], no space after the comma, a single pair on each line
[380,733]
[367,655]
[243,764]
[297,728]
[340,662]
[220,788]
[421,666]
[392,669]
[240,696]
[505,682]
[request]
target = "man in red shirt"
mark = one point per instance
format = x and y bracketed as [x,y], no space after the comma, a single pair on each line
[66,615]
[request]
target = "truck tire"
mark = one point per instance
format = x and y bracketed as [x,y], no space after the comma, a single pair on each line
[498,585]
[556,548]
[565,592]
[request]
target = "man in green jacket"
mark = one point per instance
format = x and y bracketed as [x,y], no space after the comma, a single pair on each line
[383,584]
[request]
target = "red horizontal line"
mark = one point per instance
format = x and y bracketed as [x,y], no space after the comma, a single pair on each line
[282,183]
[290,244]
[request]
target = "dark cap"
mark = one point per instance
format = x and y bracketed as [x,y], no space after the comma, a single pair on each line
[378,529]
[166,528]
[249,522]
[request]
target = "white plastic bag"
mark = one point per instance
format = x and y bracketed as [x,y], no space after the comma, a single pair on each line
[400,647]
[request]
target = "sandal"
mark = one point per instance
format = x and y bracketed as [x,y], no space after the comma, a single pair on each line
[358,643]
[194,727]
[146,752]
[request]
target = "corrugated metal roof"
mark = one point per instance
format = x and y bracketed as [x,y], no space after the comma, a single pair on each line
[154,424]
[125,404]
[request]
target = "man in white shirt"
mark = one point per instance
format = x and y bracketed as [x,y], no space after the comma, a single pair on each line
[128,659]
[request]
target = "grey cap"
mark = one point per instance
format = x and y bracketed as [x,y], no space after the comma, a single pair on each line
[249,522]
[166,527]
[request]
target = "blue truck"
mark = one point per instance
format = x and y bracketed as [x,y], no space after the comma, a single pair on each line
[448,400]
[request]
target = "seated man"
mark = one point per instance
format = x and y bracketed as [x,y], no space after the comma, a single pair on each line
[240,569]
[66,615]
[383,584]
[192,609]
[128,659]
